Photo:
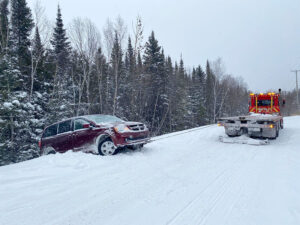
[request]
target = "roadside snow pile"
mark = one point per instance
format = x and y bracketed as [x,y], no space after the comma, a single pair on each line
[183,178]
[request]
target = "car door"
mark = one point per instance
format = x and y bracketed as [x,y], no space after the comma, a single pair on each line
[82,137]
[49,137]
[63,140]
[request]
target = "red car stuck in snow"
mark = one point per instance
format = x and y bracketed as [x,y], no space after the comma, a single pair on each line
[100,134]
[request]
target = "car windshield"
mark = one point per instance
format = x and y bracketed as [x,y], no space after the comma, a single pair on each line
[103,118]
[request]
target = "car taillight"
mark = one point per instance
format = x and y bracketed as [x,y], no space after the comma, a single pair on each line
[40,144]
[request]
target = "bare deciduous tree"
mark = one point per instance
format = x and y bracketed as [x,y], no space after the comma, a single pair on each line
[108,32]
[138,30]
[86,39]
[218,92]
[43,23]
[110,29]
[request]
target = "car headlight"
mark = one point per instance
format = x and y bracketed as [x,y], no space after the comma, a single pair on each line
[121,128]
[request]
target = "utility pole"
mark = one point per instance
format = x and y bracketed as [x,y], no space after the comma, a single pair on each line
[297,93]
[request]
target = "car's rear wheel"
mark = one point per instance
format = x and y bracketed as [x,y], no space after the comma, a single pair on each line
[107,147]
[48,151]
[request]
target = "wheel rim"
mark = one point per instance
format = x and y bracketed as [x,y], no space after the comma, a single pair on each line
[108,148]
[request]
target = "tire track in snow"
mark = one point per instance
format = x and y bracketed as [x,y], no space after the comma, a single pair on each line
[235,183]
[222,183]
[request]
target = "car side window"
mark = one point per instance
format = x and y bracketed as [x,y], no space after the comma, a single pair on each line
[50,131]
[64,126]
[78,124]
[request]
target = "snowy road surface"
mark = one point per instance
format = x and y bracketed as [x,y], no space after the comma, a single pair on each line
[186,179]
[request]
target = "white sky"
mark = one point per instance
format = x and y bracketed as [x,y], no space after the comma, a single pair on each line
[258,40]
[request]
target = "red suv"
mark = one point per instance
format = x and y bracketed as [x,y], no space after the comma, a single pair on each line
[103,134]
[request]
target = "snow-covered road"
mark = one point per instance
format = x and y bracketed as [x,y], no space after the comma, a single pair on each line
[185,179]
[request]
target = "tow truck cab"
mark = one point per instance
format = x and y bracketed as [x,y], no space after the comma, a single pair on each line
[265,103]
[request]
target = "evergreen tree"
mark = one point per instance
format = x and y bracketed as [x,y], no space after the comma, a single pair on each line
[17,141]
[197,96]
[181,115]
[155,81]
[129,90]
[4,26]
[209,93]
[62,97]
[117,74]
[38,53]
[21,26]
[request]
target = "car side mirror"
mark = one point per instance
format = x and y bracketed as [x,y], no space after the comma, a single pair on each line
[86,126]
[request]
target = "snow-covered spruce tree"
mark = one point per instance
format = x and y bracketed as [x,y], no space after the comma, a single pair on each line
[128,100]
[182,114]
[209,93]
[170,90]
[156,102]
[39,91]
[18,113]
[21,27]
[196,89]
[18,140]
[61,102]
[117,74]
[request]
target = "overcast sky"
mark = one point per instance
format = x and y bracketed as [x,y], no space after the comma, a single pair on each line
[258,40]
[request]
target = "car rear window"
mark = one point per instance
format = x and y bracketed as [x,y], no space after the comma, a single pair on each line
[64,126]
[50,131]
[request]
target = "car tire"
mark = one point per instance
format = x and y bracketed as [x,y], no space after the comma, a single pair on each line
[107,147]
[48,151]
[137,147]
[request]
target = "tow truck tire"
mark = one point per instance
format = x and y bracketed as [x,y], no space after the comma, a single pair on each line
[281,124]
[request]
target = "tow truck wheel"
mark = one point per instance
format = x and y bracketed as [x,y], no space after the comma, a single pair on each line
[281,124]
[107,147]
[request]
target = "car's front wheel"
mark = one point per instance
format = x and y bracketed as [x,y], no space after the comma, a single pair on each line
[107,147]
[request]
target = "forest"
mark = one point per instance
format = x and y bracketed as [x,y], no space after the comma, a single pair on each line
[52,71]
